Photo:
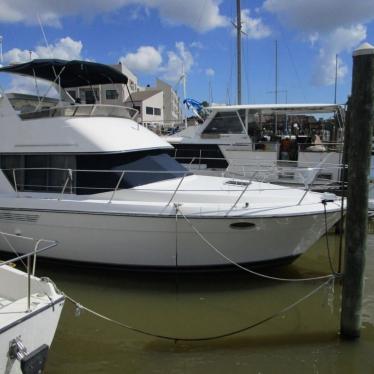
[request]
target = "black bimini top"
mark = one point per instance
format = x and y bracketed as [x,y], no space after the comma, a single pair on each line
[74,73]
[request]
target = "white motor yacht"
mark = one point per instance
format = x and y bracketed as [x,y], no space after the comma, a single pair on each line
[235,140]
[30,308]
[106,189]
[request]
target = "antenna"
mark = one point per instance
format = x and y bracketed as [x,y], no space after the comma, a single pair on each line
[239,51]
[44,36]
[184,92]
[276,72]
[210,93]
[1,49]
[336,77]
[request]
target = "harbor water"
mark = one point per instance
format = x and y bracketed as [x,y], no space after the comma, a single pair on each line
[303,340]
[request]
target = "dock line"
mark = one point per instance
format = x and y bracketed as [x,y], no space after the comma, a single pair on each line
[257,274]
[80,307]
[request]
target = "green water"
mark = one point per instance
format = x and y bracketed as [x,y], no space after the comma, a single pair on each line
[304,340]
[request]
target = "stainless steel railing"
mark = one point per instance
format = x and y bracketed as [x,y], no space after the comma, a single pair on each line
[256,174]
[30,268]
[81,110]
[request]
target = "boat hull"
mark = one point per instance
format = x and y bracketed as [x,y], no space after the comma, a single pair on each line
[170,241]
[34,329]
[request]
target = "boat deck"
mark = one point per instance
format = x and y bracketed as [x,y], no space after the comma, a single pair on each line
[4,302]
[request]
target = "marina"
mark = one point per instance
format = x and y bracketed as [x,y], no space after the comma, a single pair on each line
[138,238]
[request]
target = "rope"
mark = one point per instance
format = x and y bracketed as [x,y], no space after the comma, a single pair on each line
[327,241]
[13,249]
[206,338]
[329,276]
[329,280]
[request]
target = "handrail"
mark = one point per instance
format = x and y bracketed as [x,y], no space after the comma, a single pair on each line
[177,188]
[68,177]
[30,269]
[258,168]
[118,184]
[33,253]
[75,111]
[240,196]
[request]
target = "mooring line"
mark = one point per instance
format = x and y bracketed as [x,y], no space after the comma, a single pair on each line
[329,276]
[206,338]
[329,279]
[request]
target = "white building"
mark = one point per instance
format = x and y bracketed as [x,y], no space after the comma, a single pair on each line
[150,104]
[172,112]
[111,94]
[158,106]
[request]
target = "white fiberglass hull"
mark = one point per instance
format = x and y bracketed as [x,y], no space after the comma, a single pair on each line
[33,328]
[131,240]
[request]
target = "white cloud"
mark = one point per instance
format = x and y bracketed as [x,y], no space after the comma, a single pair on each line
[146,59]
[334,26]
[197,45]
[321,15]
[178,60]
[66,49]
[209,72]
[151,60]
[26,85]
[254,28]
[313,38]
[199,15]
[340,40]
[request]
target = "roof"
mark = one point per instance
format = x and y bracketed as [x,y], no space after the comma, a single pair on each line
[74,73]
[143,95]
[281,108]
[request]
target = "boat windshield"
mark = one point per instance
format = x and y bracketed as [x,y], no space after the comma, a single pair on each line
[138,168]
[225,123]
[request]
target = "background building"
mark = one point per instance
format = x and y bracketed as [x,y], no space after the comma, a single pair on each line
[111,94]
[158,106]
[150,105]
[172,112]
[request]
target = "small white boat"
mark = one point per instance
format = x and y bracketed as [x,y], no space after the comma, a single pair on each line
[30,309]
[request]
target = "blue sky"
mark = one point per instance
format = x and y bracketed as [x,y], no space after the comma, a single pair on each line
[156,37]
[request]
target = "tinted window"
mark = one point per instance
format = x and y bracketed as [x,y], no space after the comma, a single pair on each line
[96,173]
[140,168]
[111,94]
[38,172]
[149,110]
[225,123]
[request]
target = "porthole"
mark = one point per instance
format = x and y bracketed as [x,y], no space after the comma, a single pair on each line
[242,225]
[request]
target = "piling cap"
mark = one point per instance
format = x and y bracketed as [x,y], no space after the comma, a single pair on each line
[364,49]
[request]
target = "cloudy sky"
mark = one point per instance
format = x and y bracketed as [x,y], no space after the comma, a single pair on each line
[154,38]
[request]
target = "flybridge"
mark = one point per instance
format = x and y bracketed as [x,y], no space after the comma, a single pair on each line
[67,74]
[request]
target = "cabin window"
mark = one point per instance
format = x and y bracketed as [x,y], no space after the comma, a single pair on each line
[225,123]
[157,111]
[96,173]
[73,94]
[111,94]
[46,173]
[149,110]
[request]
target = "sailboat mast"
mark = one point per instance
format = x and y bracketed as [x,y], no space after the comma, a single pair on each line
[276,72]
[239,51]
[336,78]
[184,93]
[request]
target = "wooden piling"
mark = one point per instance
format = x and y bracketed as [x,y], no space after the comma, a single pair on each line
[361,124]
